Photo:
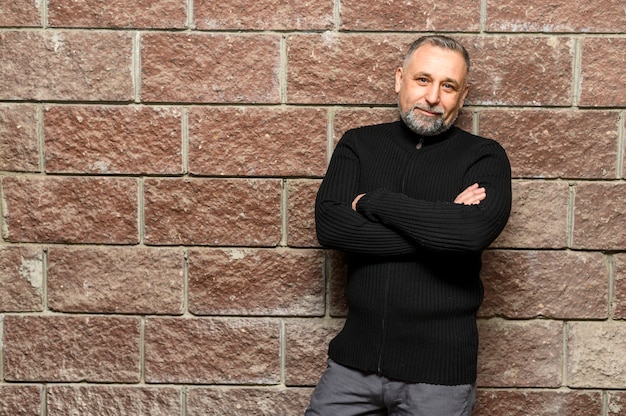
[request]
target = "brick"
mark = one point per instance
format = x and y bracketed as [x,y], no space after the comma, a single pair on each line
[257,141]
[346,119]
[66,65]
[70,210]
[115,280]
[598,216]
[226,401]
[538,403]
[538,216]
[256,282]
[20,13]
[307,349]
[20,400]
[595,354]
[337,283]
[263,15]
[538,151]
[301,213]
[112,400]
[551,284]
[332,68]
[21,279]
[212,351]
[548,16]
[210,68]
[619,290]
[113,140]
[19,150]
[403,15]
[149,14]
[214,212]
[520,353]
[497,78]
[616,403]
[598,55]
[71,349]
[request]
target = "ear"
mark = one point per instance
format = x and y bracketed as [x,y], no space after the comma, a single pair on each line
[399,74]
[464,94]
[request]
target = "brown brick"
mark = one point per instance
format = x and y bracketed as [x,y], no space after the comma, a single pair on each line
[598,216]
[112,400]
[301,213]
[20,400]
[337,282]
[71,349]
[520,353]
[339,69]
[601,57]
[307,349]
[20,13]
[556,144]
[257,141]
[595,354]
[552,284]
[538,216]
[263,15]
[395,15]
[256,282]
[226,401]
[19,150]
[229,212]
[346,119]
[70,210]
[498,77]
[224,351]
[133,140]
[115,280]
[21,279]
[117,13]
[214,68]
[548,16]
[538,403]
[67,65]
[617,403]
[619,291]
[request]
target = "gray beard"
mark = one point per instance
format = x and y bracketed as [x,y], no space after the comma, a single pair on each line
[425,126]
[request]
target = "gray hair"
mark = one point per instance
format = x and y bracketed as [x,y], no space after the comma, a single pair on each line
[440,41]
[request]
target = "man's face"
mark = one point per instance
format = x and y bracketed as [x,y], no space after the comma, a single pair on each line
[431,89]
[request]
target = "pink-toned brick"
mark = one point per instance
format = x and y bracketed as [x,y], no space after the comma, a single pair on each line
[20,13]
[337,282]
[602,60]
[395,15]
[115,280]
[538,403]
[214,212]
[257,141]
[256,282]
[617,403]
[149,14]
[20,400]
[19,150]
[538,216]
[520,353]
[112,400]
[551,284]
[301,213]
[232,401]
[113,140]
[263,15]
[215,351]
[307,349]
[556,144]
[619,290]
[215,68]
[21,279]
[71,349]
[599,220]
[66,65]
[550,16]
[70,210]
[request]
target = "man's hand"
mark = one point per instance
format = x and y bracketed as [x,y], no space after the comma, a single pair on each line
[472,195]
[356,200]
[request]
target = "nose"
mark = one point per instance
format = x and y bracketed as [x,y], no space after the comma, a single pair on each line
[432,95]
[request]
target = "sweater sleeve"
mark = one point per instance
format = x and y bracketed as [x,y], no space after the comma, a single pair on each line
[444,225]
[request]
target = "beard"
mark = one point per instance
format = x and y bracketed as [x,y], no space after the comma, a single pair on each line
[423,125]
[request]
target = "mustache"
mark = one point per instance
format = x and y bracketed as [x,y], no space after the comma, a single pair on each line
[426,107]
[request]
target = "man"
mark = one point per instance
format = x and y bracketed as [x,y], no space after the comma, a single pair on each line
[413,203]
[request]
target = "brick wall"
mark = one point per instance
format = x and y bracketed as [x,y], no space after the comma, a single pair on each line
[159,161]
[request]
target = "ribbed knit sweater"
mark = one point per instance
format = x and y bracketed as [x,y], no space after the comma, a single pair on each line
[414,256]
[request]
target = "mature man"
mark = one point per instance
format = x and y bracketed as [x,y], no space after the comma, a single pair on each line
[413,203]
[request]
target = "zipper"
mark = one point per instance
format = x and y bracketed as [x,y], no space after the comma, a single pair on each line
[379,366]
[411,161]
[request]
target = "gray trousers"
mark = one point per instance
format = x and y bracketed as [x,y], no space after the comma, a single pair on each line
[343,391]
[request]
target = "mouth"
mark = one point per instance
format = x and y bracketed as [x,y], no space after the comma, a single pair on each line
[428,111]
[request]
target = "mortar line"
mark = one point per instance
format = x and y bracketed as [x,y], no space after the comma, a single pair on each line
[620,144]
[44,12]
[190,12]
[184,152]
[41,143]
[284,207]
[283,352]
[282,71]
[136,67]
[141,222]
[611,291]
[483,16]
[576,73]
[570,215]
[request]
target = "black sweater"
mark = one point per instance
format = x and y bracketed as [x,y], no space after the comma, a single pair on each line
[414,256]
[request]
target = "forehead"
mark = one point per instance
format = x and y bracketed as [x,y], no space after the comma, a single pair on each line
[437,62]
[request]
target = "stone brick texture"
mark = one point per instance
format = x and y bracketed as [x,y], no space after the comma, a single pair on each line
[159,162]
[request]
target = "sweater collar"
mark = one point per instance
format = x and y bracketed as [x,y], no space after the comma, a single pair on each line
[411,140]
